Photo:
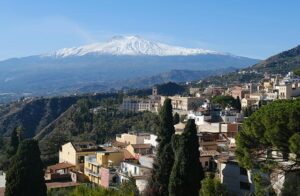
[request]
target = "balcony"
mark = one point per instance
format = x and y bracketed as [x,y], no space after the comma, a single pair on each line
[91,172]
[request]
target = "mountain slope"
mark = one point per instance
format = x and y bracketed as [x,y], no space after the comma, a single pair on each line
[177,76]
[130,45]
[106,65]
[34,115]
[281,63]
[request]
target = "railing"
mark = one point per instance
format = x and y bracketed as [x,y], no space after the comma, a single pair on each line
[91,172]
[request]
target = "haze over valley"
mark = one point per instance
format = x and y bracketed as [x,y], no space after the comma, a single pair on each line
[110,66]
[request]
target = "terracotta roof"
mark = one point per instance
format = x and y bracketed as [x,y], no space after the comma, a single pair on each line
[119,144]
[111,149]
[209,153]
[141,146]
[51,185]
[127,154]
[59,166]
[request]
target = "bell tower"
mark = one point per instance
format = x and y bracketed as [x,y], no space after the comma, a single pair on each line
[154,91]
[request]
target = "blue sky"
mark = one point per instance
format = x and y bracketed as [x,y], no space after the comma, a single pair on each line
[253,28]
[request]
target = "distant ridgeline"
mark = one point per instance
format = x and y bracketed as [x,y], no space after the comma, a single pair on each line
[281,63]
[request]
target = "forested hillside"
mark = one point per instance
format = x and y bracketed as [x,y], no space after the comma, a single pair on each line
[281,63]
[82,123]
[35,114]
[97,117]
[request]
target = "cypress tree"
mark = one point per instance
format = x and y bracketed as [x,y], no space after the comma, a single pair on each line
[176,118]
[238,105]
[187,171]
[25,175]
[159,182]
[14,143]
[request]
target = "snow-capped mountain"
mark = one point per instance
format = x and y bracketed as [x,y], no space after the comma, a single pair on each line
[131,45]
[108,65]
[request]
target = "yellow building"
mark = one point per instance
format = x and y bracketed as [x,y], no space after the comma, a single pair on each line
[101,167]
[74,152]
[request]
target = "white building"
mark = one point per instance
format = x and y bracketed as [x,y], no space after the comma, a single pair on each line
[138,172]
[147,160]
[238,180]
[199,117]
[151,140]
[134,104]
[231,117]
[2,179]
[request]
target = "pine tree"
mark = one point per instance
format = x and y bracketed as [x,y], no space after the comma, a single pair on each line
[159,182]
[25,175]
[176,118]
[187,171]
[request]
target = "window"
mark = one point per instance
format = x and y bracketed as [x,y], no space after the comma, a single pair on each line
[243,171]
[135,170]
[245,186]
[206,163]
[81,159]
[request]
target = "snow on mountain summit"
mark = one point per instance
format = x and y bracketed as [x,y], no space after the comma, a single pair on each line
[130,45]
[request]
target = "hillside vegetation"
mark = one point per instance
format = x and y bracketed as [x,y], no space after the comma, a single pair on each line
[55,121]
[35,114]
[281,63]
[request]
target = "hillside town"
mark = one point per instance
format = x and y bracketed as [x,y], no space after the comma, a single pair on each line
[131,155]
[149,98]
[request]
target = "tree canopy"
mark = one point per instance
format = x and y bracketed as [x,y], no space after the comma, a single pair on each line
[159,182]
[187,171]
[227,101]
[176,118]
[25,175]
[14,143]
[212,187]
[273,128]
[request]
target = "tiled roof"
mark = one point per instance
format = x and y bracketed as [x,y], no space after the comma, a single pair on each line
[127,154]
[111,149]
[209,153]
[119,144]
[59,166]
[61,184]
[141,146]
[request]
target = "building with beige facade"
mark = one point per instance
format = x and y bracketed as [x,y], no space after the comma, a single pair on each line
[289,90]
[132,138]
[238,91]
[249,102]
[183,103]
[74,152]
